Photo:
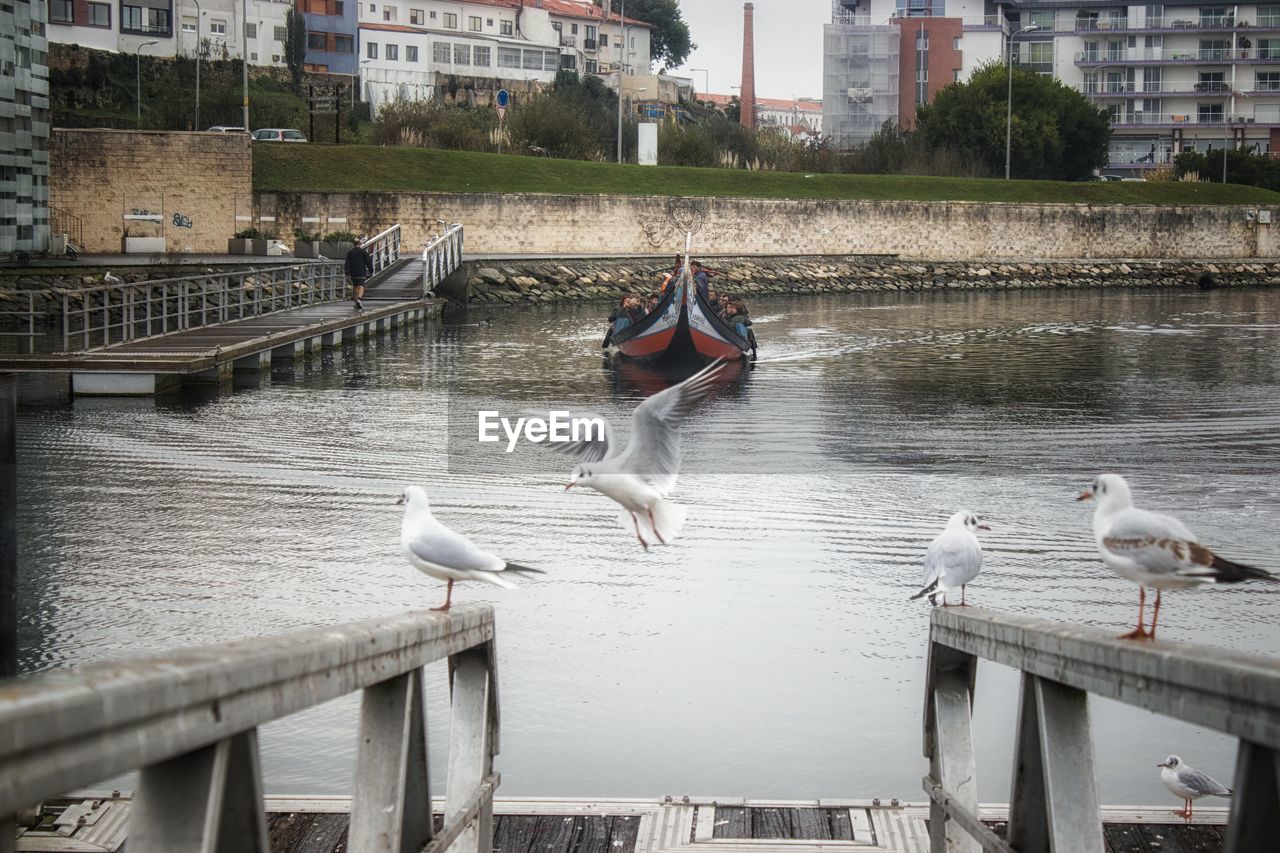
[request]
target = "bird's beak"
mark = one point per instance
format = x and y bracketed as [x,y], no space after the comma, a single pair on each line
[984,527]
[568,487]
[1163,764]
[400,501]
[1086,495]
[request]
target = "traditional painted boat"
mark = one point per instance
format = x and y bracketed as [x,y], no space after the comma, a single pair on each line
[682,328]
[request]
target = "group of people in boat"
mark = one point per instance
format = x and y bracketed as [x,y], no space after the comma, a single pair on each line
[730,309]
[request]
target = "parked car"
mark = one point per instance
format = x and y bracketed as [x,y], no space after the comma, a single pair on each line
[222,128]
[279,134]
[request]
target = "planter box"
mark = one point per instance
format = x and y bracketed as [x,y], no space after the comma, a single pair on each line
[144,245]
[308,249]
[238,246]
[335,251]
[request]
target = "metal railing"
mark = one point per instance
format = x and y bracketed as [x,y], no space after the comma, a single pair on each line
[19,315]
[441,257]
[1054,796]
[384,249]
[64,222]
[188,720]
[111,314]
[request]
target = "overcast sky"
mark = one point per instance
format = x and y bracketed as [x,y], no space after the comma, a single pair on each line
[788,38]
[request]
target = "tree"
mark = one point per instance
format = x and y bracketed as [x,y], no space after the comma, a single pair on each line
[1056,133]
[669,41]
[1243,167]
[295,45]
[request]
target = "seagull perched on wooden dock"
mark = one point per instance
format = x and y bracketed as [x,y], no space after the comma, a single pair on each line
[954,558]
[641,476]
[1154,550]
[444,554]
[1189,784]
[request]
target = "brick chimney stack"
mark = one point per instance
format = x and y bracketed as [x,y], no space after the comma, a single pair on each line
[747,112]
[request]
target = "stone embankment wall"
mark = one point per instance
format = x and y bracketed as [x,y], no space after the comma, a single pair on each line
[188,188]
[567,224]
[608,279]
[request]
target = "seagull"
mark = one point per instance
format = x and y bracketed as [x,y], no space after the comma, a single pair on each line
[445,555]
[954,558]
[111,279]
[1188,783]
[1154,550]
[641,475]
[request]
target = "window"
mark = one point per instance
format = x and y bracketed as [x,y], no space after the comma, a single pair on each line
[388,13]
[60,11]
[508,57]
[218,28]
[1268,81]
[1268,16]
[373,8]
[416,16]
[569,62]
[440,54]
[99,15]
[1151,79]
[188,24]
[371,50]
[337,8]
[955,76]
[505,27]
[393,52]
[432,14]
[1214,49]
[410,53]
[344,44]
[1215,16]
[551,60]
[462,54]
[1269,48]
[489,22]
[475,23]
[480,56]
[533,60]
[139,19]
[1209,113]
[573,29]
[317,41]
[922,41]
[589,66]
[604,40]
[251,31]
[450,20]
[955,43]
[280,34]
[253,56]
[1211,81]
[1040,53]
[1042,19]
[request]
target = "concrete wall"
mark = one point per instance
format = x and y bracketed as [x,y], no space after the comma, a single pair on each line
[195,183]
[540,224]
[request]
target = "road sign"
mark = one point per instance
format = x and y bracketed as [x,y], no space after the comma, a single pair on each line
[504,99]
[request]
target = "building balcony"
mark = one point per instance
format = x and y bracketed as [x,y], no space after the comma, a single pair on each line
[588,44]
[146,30]
[1175,56]
[1168,89]
[568,41]
[1192,120]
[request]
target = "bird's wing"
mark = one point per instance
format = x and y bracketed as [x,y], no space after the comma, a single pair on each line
[1202,783]
[954,558]
[441,546]
[653,453]
[594,439]
[1159,543]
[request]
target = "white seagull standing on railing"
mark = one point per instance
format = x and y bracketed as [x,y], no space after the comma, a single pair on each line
[641,476]
[1154,550]
[954,558]
[1189,784]
[444,554]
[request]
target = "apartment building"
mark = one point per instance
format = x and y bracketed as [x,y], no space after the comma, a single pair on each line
[332,35]
[24,128]
[409,48]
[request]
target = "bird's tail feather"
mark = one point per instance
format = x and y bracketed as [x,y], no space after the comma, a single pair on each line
[1225,571]
[926,591]
[494,578]
[518,568]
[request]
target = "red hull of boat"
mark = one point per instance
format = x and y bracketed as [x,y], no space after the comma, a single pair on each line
[682,332]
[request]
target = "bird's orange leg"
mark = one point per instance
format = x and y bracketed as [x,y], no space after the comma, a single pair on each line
[1138,633]
[1154,616]
[636,522]
[655,528]
[448,599]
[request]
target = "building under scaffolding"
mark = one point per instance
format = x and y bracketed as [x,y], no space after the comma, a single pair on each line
[859,76]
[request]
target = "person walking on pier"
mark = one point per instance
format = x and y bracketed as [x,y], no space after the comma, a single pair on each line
[359,267]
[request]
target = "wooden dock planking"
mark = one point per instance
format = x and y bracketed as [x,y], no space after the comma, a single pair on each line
[1162,838]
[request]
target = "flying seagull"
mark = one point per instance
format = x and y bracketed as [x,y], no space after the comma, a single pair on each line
[445,555]
[954,558]
[1188,783]
[641,475]
[1154,550]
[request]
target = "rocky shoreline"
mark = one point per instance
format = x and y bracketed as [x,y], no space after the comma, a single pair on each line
[529,281]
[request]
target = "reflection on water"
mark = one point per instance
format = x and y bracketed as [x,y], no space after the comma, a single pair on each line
[771,652]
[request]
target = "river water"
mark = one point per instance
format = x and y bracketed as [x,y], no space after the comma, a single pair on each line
[772,651]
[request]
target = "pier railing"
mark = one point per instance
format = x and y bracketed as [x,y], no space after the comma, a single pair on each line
[111,314]
[384,249]
[1054,798]
[441,257]
[188,720]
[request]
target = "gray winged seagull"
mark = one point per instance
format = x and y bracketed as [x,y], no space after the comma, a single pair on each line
[641,475]
[1188,783]
[444,554]
[1154,550]
[954,558]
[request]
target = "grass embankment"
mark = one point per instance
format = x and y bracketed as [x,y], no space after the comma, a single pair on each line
[363,168]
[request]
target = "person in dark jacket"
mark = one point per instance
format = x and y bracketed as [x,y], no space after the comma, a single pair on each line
[359,268]
[699,278]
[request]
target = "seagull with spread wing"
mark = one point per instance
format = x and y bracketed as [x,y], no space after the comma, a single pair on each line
[1154,550]
[435,550]
[641,475]
[954,558]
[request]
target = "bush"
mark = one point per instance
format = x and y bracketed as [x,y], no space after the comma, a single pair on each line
[303,236]
[254,234]
[430,124]
[340,237]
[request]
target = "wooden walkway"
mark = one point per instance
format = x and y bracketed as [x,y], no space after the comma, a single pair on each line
[213,353]
[684,825]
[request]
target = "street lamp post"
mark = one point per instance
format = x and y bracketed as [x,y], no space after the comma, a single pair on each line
[198,16]
[137,61]
[244,58]
[706,79]
[622,62]
[1008,127]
